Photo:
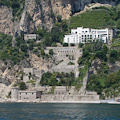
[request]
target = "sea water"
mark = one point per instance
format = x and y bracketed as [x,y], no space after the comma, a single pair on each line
[59,111]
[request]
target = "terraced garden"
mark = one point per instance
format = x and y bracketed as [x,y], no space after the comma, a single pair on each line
[97,18]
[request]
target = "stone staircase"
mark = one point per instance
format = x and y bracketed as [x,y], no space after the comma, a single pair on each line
[83,88]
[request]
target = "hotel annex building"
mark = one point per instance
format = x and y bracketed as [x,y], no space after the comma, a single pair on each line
[82,35]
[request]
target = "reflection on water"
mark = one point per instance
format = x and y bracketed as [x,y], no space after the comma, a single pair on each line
[45,111]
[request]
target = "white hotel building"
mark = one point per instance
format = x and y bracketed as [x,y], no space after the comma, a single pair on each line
[82,35]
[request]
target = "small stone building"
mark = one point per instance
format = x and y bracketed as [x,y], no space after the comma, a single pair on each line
[28,95]
[30,36]
[24,95]
[60,90]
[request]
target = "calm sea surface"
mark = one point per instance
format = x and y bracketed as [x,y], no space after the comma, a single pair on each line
[54,111]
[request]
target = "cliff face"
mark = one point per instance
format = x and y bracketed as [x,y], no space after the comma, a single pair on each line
[42,13]
[78,5]
[6,23]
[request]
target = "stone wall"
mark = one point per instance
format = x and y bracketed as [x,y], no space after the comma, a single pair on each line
[64,69]
[64,51]
[61,93]
[48,98]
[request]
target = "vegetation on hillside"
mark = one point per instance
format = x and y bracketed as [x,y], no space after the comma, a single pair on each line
[105,84]
[92,51]
[103,81]
[64,79]
[58,79]
[56,34]
[7,52]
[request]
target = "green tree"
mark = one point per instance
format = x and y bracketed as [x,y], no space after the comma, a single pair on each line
[22,86]
[105,48]
[72,44]
[118,23]
[55,34]
[51,52]
[64,25]
[42,52]
[65,44]
[59,18]
[41,32]
[85,54]
[47,40]
[101,55]
[24,47]
[81,45]
[114,54]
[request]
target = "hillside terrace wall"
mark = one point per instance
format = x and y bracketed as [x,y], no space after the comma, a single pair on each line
[63,51]
[64,69]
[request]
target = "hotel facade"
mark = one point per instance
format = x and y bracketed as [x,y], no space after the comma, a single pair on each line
[82,35]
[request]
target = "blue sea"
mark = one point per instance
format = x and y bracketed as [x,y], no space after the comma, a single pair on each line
[59,111]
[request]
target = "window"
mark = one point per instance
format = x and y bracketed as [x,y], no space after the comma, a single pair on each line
[88,36]
[68,40]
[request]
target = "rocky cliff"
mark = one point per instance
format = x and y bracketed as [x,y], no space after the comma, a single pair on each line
[78,5]
[6,23]
[42,13]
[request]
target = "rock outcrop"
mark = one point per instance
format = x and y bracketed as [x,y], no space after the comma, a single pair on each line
[42,64]
[78,5]
[6,23]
